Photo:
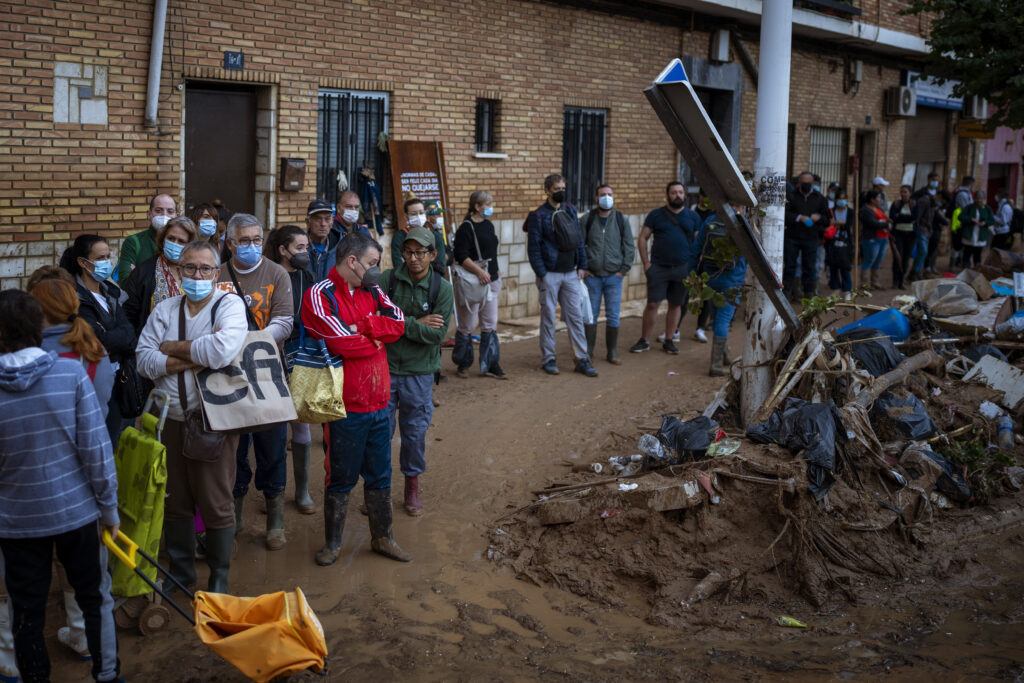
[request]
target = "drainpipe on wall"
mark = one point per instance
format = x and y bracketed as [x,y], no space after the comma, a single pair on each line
[156,58]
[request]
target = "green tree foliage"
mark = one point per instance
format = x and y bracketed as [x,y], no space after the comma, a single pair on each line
[981,44]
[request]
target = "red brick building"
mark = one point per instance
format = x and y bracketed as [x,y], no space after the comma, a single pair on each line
[515,89]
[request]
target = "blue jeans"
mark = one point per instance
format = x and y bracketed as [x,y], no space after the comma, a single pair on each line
[801,252]
[270,447]
[359,445]
[921,253]
[874,252]
[412,396]
[723,282]
[611,288]
[840,278]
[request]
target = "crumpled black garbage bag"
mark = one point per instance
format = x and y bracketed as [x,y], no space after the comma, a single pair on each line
[814,428]
[490,351]
[976,353]
[877,356]
[687,440]
[951,482]
[908,415]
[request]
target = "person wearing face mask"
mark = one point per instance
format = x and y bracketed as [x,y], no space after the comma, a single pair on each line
[416,217]
[326,230]
[142,246]
[930,188]
[101,304]
[807,217]
[267,290]
[355,318]
[158,278]
[610,253]
[288,247]
[941,202]
[215,331]
[839,247]
[443,239]
[726,278]
[206,219]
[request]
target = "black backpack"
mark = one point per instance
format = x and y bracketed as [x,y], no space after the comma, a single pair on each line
[1017,222]
[565,228]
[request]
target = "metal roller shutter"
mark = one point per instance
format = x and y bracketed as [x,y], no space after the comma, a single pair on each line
[925,136]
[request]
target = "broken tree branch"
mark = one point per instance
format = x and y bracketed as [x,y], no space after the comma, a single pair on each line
[925,359]
[787,485]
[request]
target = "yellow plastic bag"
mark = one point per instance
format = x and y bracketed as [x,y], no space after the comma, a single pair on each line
[316,382]
[263,637]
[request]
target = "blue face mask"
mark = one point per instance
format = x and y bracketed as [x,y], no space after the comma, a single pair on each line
[207,227]
[101,270]
[817,188]
[172,251]
[606,202]
[841,203]
[196,290]
[933,184]
[248,255]
[831,195]
[487,212]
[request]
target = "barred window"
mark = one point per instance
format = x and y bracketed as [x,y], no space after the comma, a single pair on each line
[828,148]
[349,125]
[487,125]
[583,139]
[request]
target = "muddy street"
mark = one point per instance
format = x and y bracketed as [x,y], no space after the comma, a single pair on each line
[454,614]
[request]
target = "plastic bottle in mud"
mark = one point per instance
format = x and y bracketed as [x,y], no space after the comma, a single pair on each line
[1005,424]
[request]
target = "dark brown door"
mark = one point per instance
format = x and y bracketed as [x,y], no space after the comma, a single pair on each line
[220,146]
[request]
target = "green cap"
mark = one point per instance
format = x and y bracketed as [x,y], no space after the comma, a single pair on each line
[422,236]
[433,207]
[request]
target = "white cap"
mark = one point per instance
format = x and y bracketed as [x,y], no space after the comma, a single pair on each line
[879,180]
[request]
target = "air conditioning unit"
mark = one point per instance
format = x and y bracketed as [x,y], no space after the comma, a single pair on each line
[901,100]
[975,107]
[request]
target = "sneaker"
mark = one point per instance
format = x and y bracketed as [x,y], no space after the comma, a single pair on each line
[74,643]
[640,346]
[496,372]
[550,367]
[675,337]
[669,347]
[584,367]
[700,336]
[847,296]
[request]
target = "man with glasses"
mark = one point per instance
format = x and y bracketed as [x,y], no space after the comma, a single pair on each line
[215,330]
[266,288]
[141,246]
[425,298]
[355,318]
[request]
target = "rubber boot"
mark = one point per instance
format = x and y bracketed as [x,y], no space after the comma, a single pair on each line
[275,522]
[8,662]
[73,635]
[378,505]
[412,497]
[590,332]
[180,540]
[611,342]
[876,279]
[300,470]
[717,357]
[335,507]
[239,504]
[219,544]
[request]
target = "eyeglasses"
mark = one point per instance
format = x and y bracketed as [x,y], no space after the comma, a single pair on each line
[258,241]
[418,254]
[190,270]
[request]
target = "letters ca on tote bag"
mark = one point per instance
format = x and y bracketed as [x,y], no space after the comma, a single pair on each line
[251,393]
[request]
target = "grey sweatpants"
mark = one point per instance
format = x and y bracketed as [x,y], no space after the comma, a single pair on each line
[559,289]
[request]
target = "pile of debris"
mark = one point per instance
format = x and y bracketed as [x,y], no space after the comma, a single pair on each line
[858,464]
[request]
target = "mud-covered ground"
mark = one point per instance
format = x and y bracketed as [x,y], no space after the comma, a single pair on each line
[453,614]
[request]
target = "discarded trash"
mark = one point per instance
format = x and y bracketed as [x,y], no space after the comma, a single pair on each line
[946,297]
[897,477]
[703,590]
[877,356]
[929,469]
[724,447]
[499,532]
[990,410]
[649,445]
[791,622]
[908,415]
[628,487]
[1000,376]
[1005,432]
[978,282]
[704,479]
[608,514]
[596,467]
[689,440]
[978,352]
[625,465]
[890,322]
[672,373]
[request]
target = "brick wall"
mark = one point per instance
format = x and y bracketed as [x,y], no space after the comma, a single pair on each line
[435,58]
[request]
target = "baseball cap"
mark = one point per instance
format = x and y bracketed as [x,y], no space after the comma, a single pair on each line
[421,235]
[879,180]
[433,207]
[318,205]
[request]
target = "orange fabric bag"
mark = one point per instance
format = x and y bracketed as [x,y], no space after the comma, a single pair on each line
[264,637]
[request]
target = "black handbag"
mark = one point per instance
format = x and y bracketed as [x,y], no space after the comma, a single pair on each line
[130,390]
[198,442]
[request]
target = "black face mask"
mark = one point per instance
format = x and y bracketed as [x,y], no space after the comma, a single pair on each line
[676,203]
[371,276]
[558,197]
[299,261]
[806,188]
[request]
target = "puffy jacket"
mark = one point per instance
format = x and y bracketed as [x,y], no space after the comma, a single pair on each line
[113,329]
[418,351]
[366,321]
[610,247]
[542,248]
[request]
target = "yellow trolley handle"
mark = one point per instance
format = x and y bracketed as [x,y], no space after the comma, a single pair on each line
[128,558]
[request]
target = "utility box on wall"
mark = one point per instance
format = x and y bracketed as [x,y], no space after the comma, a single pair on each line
[293,174]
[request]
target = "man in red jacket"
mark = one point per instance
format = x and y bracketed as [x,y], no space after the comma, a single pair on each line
[356,319]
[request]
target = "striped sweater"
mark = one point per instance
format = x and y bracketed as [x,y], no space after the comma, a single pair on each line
[56,466]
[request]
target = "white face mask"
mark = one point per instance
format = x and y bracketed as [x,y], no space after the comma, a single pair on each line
[417,220]
[350,215]
[159,222]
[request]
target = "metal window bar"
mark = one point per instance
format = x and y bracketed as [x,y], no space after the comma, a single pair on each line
[486,125]
[827,155]
[583,150]
[349,123]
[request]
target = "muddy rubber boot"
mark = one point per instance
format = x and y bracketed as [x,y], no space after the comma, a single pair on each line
[239,504]
[219,544]
[590,332]
[300,470]
[611,343]
[717,357]
[275,522]
[876,279]
[180,540]
[335,508]
[412,497]
[378,504]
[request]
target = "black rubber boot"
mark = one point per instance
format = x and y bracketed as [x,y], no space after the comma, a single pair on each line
[378,506]
[611,342]
[180,540]
[590,332]
[717,368]
[219,544]
[335,508]
[300,471]
[239,504]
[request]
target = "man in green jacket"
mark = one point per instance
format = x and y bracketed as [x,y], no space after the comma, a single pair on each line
[976,223]
[142,245]
[426,300]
